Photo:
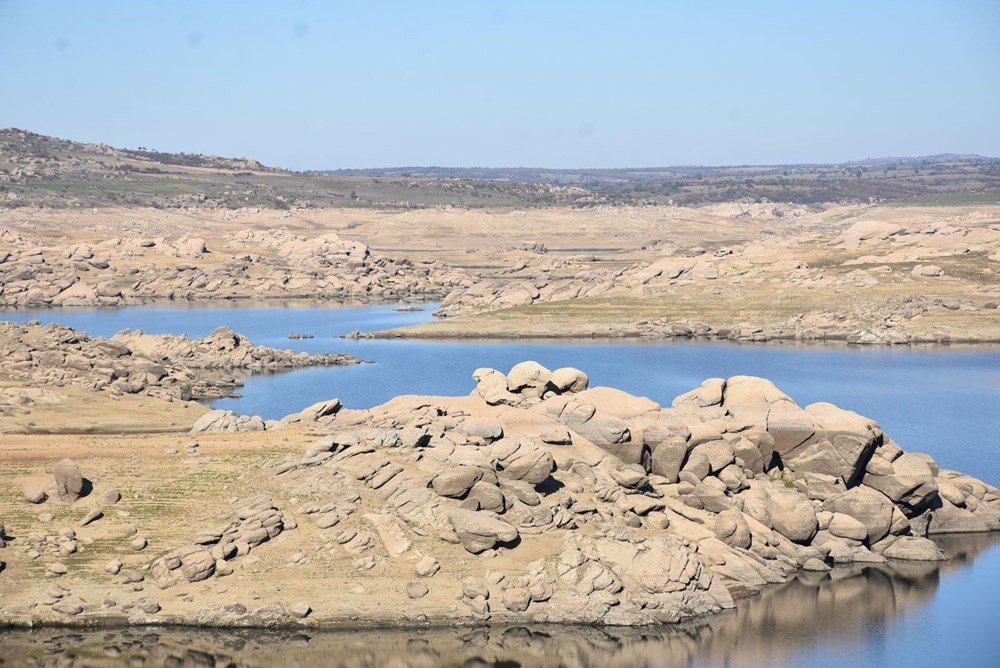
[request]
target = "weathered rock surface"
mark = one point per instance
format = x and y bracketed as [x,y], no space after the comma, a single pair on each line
[173,368]
[68,480]
[252,264]
[651,515]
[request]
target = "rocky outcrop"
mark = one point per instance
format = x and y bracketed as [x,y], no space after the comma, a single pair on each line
[272,264]
[222,421]
[164,366]
[662,513]
[642,514]
[253,521]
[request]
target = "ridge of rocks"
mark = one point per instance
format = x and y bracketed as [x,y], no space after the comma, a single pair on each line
[165,366]
[539,498]
[253,264]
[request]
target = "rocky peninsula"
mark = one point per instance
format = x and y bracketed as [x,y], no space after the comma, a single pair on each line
[47,369]
[536,498]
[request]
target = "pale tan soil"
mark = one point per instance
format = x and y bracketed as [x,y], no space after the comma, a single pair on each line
[859,284]
[785,282]
[75,410]
[167,497]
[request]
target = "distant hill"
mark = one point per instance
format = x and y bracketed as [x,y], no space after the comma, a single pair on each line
[36,170]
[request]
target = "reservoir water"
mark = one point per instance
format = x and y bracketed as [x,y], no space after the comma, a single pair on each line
[942,401]
[939,400]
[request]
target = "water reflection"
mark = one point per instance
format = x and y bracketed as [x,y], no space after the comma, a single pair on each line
[793,624]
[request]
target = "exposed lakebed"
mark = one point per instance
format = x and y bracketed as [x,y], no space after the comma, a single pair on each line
[939,401]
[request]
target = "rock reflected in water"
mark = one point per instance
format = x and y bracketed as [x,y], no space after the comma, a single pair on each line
[780,627]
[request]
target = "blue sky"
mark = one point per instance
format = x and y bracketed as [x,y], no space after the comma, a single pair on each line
[314,85]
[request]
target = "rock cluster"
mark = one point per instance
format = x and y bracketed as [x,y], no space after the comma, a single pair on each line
[661,514]
[254,521]
[132,362]
[539,498]
[247,265]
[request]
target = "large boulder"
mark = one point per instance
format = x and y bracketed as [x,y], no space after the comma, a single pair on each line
[870,507]
[457,481]
[568,379]
[599,428]
[732,528]
[913,548]
[844,457]
[756,401]
[491,385]
[530,464]
[68,480]
[479,530]
[227,421]
[668,457]
[845,526]
[910,482]
[528,379]
[949,518]
[793,516]
[852,440]
[313,413]
[718,454]
[197,565]
[710,393]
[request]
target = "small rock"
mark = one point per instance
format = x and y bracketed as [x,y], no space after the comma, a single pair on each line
[111,497]
[149,606]
[416,589]
[114,567]
[33,494]
[517,599]
[67,608]
[473,587]
[69,480]
[300,610]
[138,544]
[92,516]
[427,567]
[815,565]
[57,569]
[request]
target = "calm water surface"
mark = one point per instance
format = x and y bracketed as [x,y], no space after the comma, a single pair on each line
[907,615]
[942,401]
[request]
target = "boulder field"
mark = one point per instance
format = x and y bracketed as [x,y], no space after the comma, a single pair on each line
[39,358]
[924,280]
[534,499]
[250,264]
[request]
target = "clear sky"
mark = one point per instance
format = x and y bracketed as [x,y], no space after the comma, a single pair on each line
[316,85]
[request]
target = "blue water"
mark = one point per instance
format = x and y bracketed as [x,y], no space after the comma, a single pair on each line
[942,401]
